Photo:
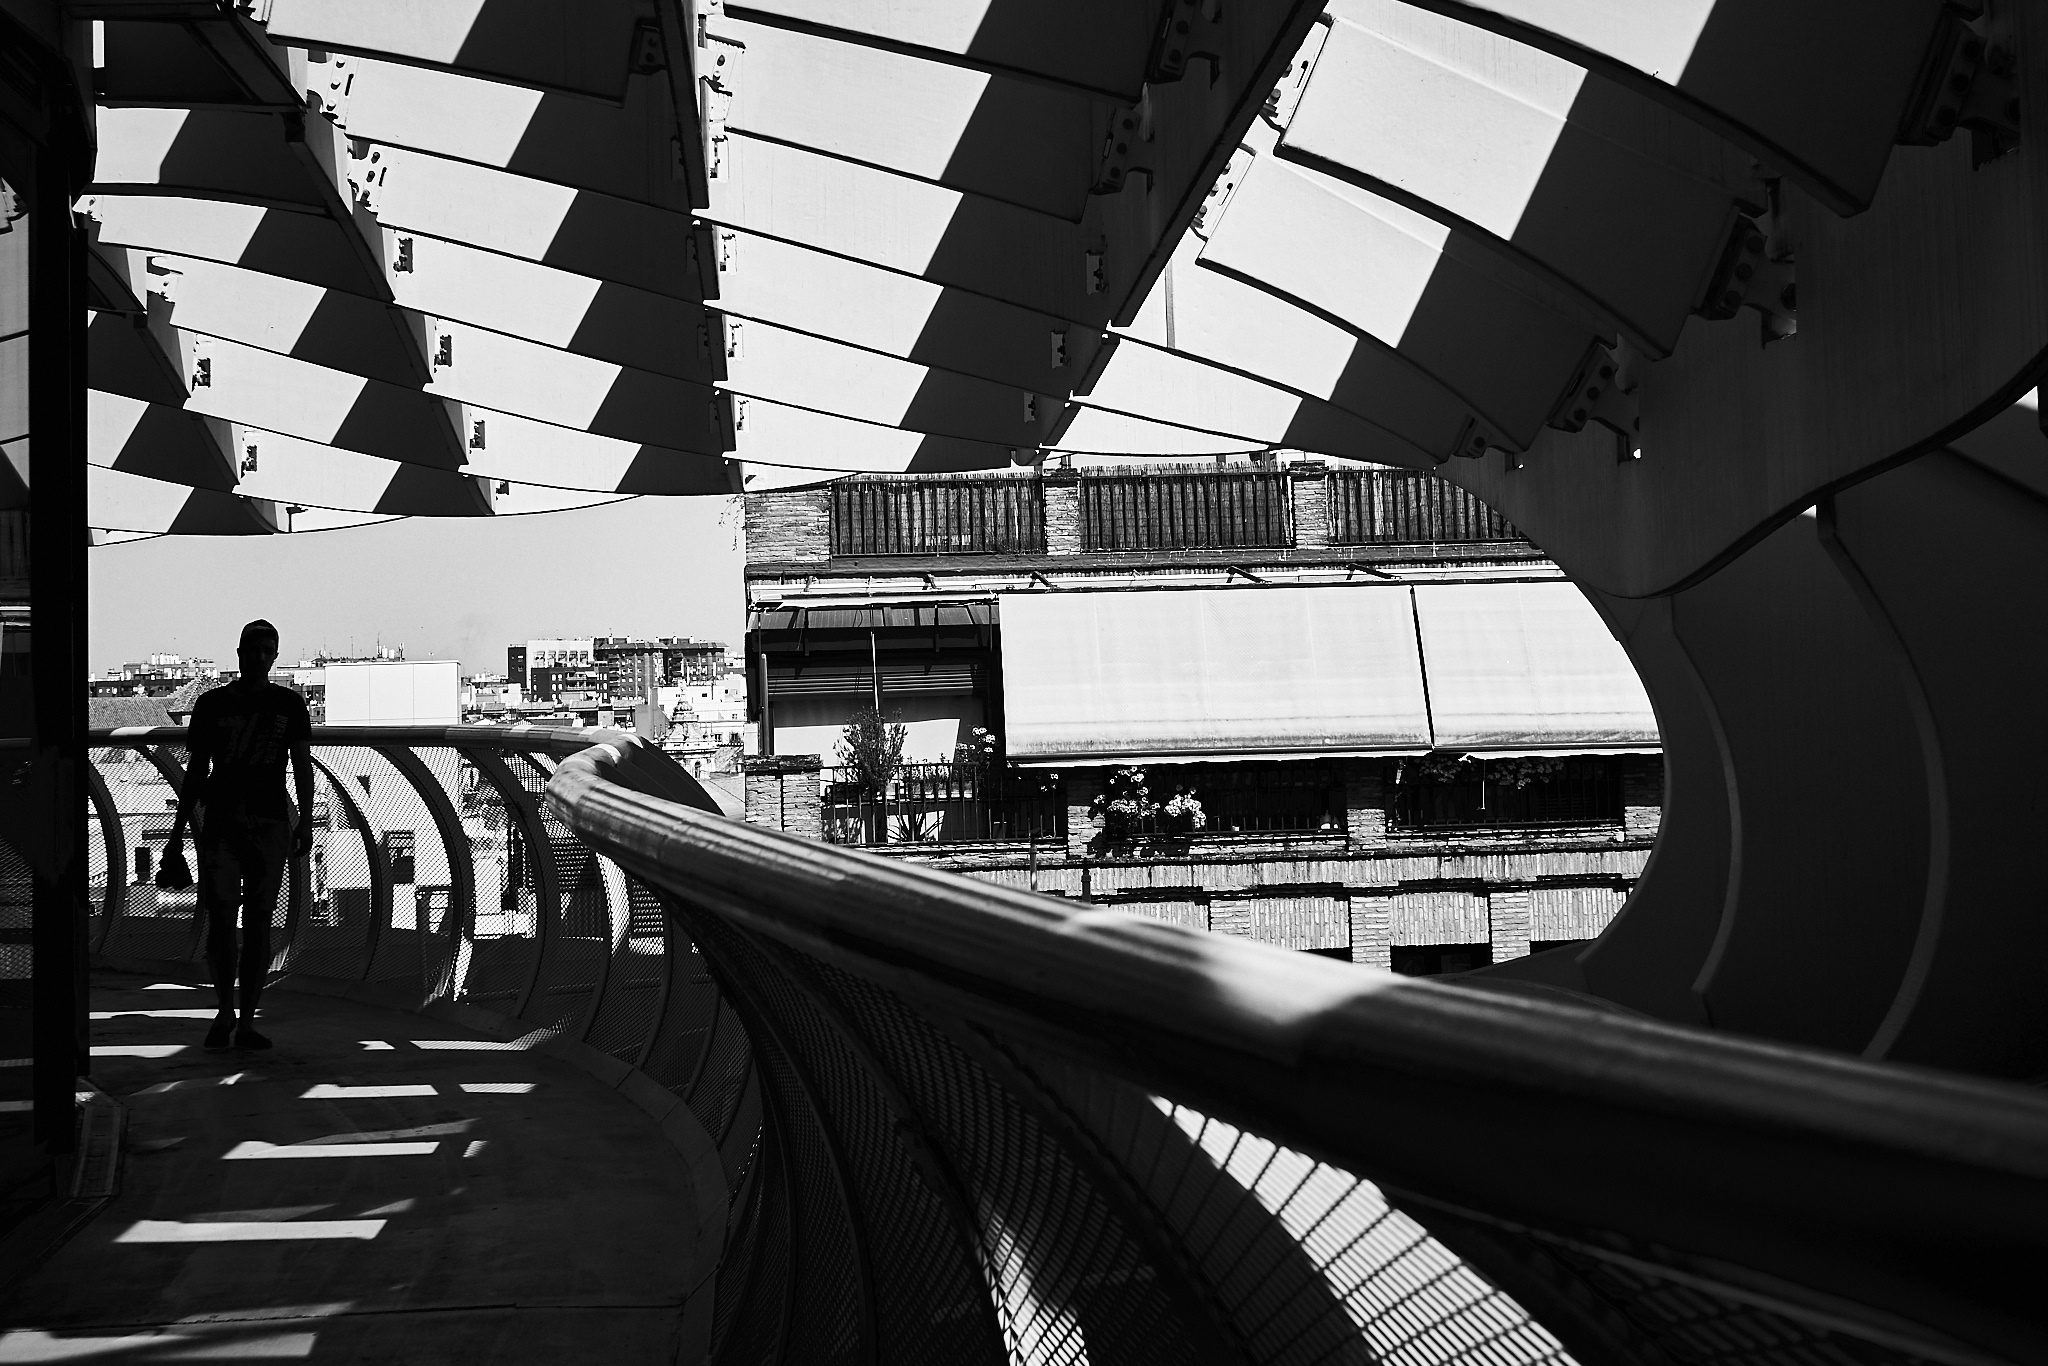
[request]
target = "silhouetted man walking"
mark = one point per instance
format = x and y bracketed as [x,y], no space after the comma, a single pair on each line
[243,825]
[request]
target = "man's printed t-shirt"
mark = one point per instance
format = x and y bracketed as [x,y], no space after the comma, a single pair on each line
[247,733]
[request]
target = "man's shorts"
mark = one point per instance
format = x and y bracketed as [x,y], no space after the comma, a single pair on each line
[243,861]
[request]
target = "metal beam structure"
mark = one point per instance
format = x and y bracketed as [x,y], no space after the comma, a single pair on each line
[1738,309]
[400,264]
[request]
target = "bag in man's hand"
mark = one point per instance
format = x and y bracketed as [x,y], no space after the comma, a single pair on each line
[173,874]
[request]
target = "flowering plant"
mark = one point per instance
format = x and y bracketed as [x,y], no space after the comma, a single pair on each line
[1183,814]
[1128,805]
[976,755]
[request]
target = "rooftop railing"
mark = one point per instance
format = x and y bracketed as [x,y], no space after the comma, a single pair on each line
[1369,507]
[957,1123]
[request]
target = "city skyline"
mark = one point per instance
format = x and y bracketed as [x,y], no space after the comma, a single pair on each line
[667,567]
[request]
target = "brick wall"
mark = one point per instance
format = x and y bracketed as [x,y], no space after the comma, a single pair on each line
[782,793]
[1311,507]
[789,526]
[1372,902]
[1507,912]
[1303,920]
[1194,914]
[1365,803]
[1083,785]
[1440,915]
[1062,515]
[1573,912]
[1372,929]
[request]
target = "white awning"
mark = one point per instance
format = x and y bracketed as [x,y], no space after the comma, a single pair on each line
[1323,671]
[1121,676]
[1527,667]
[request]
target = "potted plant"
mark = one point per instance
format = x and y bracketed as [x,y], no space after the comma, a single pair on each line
[871,750]
[1128,810]
[1181,814]
[1125,805]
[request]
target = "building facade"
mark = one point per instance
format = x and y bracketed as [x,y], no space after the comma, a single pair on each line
[634,668]
[557,653]
[1347,710]
[157,676]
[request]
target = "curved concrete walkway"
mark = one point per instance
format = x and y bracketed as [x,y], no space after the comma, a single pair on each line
[379,1187]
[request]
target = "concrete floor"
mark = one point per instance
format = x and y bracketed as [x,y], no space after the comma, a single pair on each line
[457,1199]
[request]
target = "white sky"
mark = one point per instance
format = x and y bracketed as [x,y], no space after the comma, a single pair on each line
[461,588]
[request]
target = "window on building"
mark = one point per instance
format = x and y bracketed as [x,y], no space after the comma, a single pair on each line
[1196,510]
[398,854]
[1452,793]
[432,906]
[1408,507]
[937,517]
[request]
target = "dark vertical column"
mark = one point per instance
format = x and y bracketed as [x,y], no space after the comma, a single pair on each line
[57,545]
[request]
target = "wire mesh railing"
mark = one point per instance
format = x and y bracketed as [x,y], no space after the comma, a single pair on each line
[1003,1129]
[956,1123]
[439,875]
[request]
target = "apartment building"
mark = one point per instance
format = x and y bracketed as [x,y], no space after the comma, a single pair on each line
[1346,709]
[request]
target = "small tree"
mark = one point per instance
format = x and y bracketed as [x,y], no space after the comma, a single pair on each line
[873,749]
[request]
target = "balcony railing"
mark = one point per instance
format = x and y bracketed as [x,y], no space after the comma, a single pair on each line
[937,517]
[930,1119]
[1483,795]
[943,804]
[1248,798]
[1232,510]
[1408,507]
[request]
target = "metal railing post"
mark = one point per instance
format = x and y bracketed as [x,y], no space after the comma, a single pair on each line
[618,916]
[380,877]
[116,840]
[540,858]
[461,859]
[664,985]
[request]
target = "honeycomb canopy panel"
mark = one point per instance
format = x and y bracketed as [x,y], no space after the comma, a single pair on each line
[1817,90]
[374,256]
[1553,147]
[457,260]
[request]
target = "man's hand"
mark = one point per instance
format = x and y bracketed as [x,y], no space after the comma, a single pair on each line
[172,873]
[302,837]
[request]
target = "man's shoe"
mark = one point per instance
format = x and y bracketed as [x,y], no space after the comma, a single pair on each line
[217,1036]
[247,1037]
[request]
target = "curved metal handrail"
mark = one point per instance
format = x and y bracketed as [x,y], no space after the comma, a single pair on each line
[556,741]
[900,1091]
[1901,1206]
